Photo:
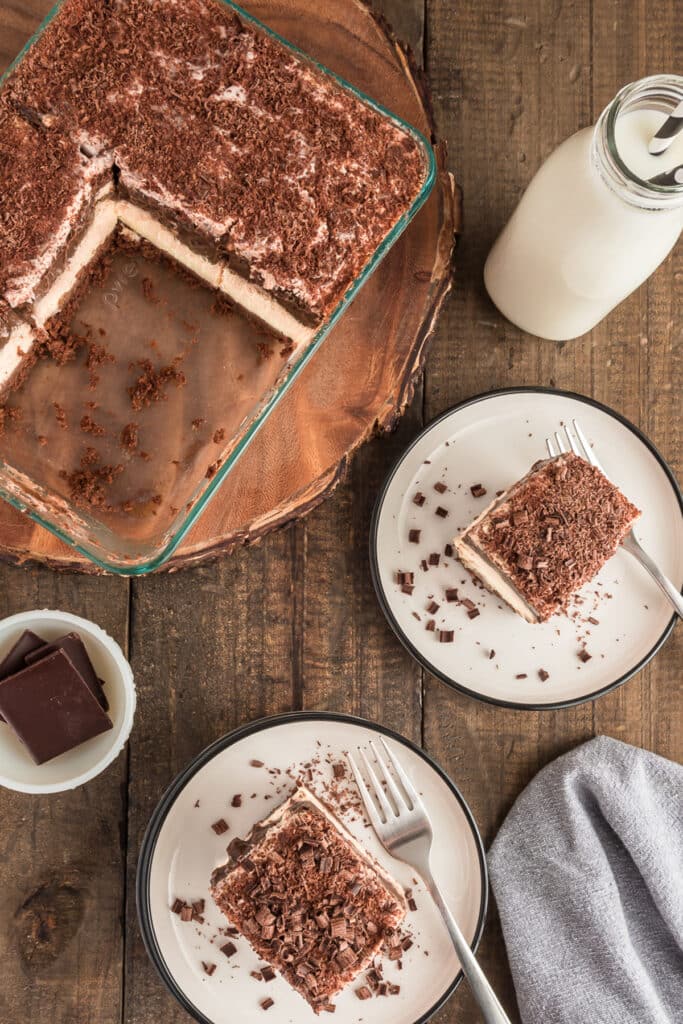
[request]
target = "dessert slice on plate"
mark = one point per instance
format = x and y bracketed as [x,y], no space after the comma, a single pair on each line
[546,536]
[310,900]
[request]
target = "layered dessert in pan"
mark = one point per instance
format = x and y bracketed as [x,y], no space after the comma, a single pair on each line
[205,142]
[312,903]
[546,536]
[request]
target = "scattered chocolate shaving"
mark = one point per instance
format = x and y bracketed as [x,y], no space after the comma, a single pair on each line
[433,607]
[446,636]
[543,675]
[229,949]
[473,613]
[236,800]
[477,491]
[255,763]
[442,512]
[419,499]
[208,968]
[440,487]
[584,655]
[414,536]
[267,1003]
[434,558]
[451,595]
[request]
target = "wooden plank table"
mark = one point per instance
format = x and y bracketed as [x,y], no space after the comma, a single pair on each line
[293,623]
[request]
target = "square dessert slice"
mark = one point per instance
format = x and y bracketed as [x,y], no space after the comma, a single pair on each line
[310,900]
[547,535]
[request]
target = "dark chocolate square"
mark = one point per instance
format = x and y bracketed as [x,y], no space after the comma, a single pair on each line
[14,659]
[50,708]
[73,646]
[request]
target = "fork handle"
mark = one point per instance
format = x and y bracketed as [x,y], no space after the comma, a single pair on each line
[632,545]
[492,1011]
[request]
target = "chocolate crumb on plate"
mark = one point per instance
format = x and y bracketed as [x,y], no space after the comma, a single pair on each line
[267,1003]
[430,626]
[543,675]
[451,595]
[433,607]
[442,512]
[208,968]
[434,558]
[255,763]
[236,800]
[229,949]
[446,636]
[521,675]
[584,655]
[478,491]
[440,487]
[414,536]
[419,499]
[186,914]
[177,905]
[473,613]
[220,827]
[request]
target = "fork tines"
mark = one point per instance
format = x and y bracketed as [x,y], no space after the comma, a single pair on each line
[379,807]
[573,440]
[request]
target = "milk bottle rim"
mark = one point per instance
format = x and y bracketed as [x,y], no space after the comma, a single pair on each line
[656,92]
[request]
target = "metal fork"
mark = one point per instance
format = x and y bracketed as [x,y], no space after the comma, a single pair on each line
[580,446]
[404,829]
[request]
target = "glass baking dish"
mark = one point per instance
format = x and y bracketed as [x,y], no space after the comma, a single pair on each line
[192,427]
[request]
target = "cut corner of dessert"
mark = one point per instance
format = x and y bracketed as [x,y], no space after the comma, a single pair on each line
[276,216]
[536,544]
[301,873]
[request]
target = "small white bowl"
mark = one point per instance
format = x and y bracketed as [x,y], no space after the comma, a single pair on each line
[71,769]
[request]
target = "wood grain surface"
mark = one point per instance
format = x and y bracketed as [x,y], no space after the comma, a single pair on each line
[293,622]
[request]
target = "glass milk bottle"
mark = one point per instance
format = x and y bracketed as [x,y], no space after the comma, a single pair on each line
[591,226]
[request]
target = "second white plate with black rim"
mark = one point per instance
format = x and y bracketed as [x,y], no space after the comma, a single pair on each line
[180,850]
[621,619]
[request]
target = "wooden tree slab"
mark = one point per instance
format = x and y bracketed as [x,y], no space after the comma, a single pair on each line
[362,378]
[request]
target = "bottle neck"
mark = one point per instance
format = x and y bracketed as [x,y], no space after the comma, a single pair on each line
[658,92]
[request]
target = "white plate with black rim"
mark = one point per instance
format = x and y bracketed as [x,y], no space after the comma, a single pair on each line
[259,763]
[620,619]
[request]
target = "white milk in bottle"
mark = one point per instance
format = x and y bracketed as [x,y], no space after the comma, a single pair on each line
[591,227]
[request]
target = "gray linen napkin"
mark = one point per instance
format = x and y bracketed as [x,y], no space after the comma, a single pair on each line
[587,871]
